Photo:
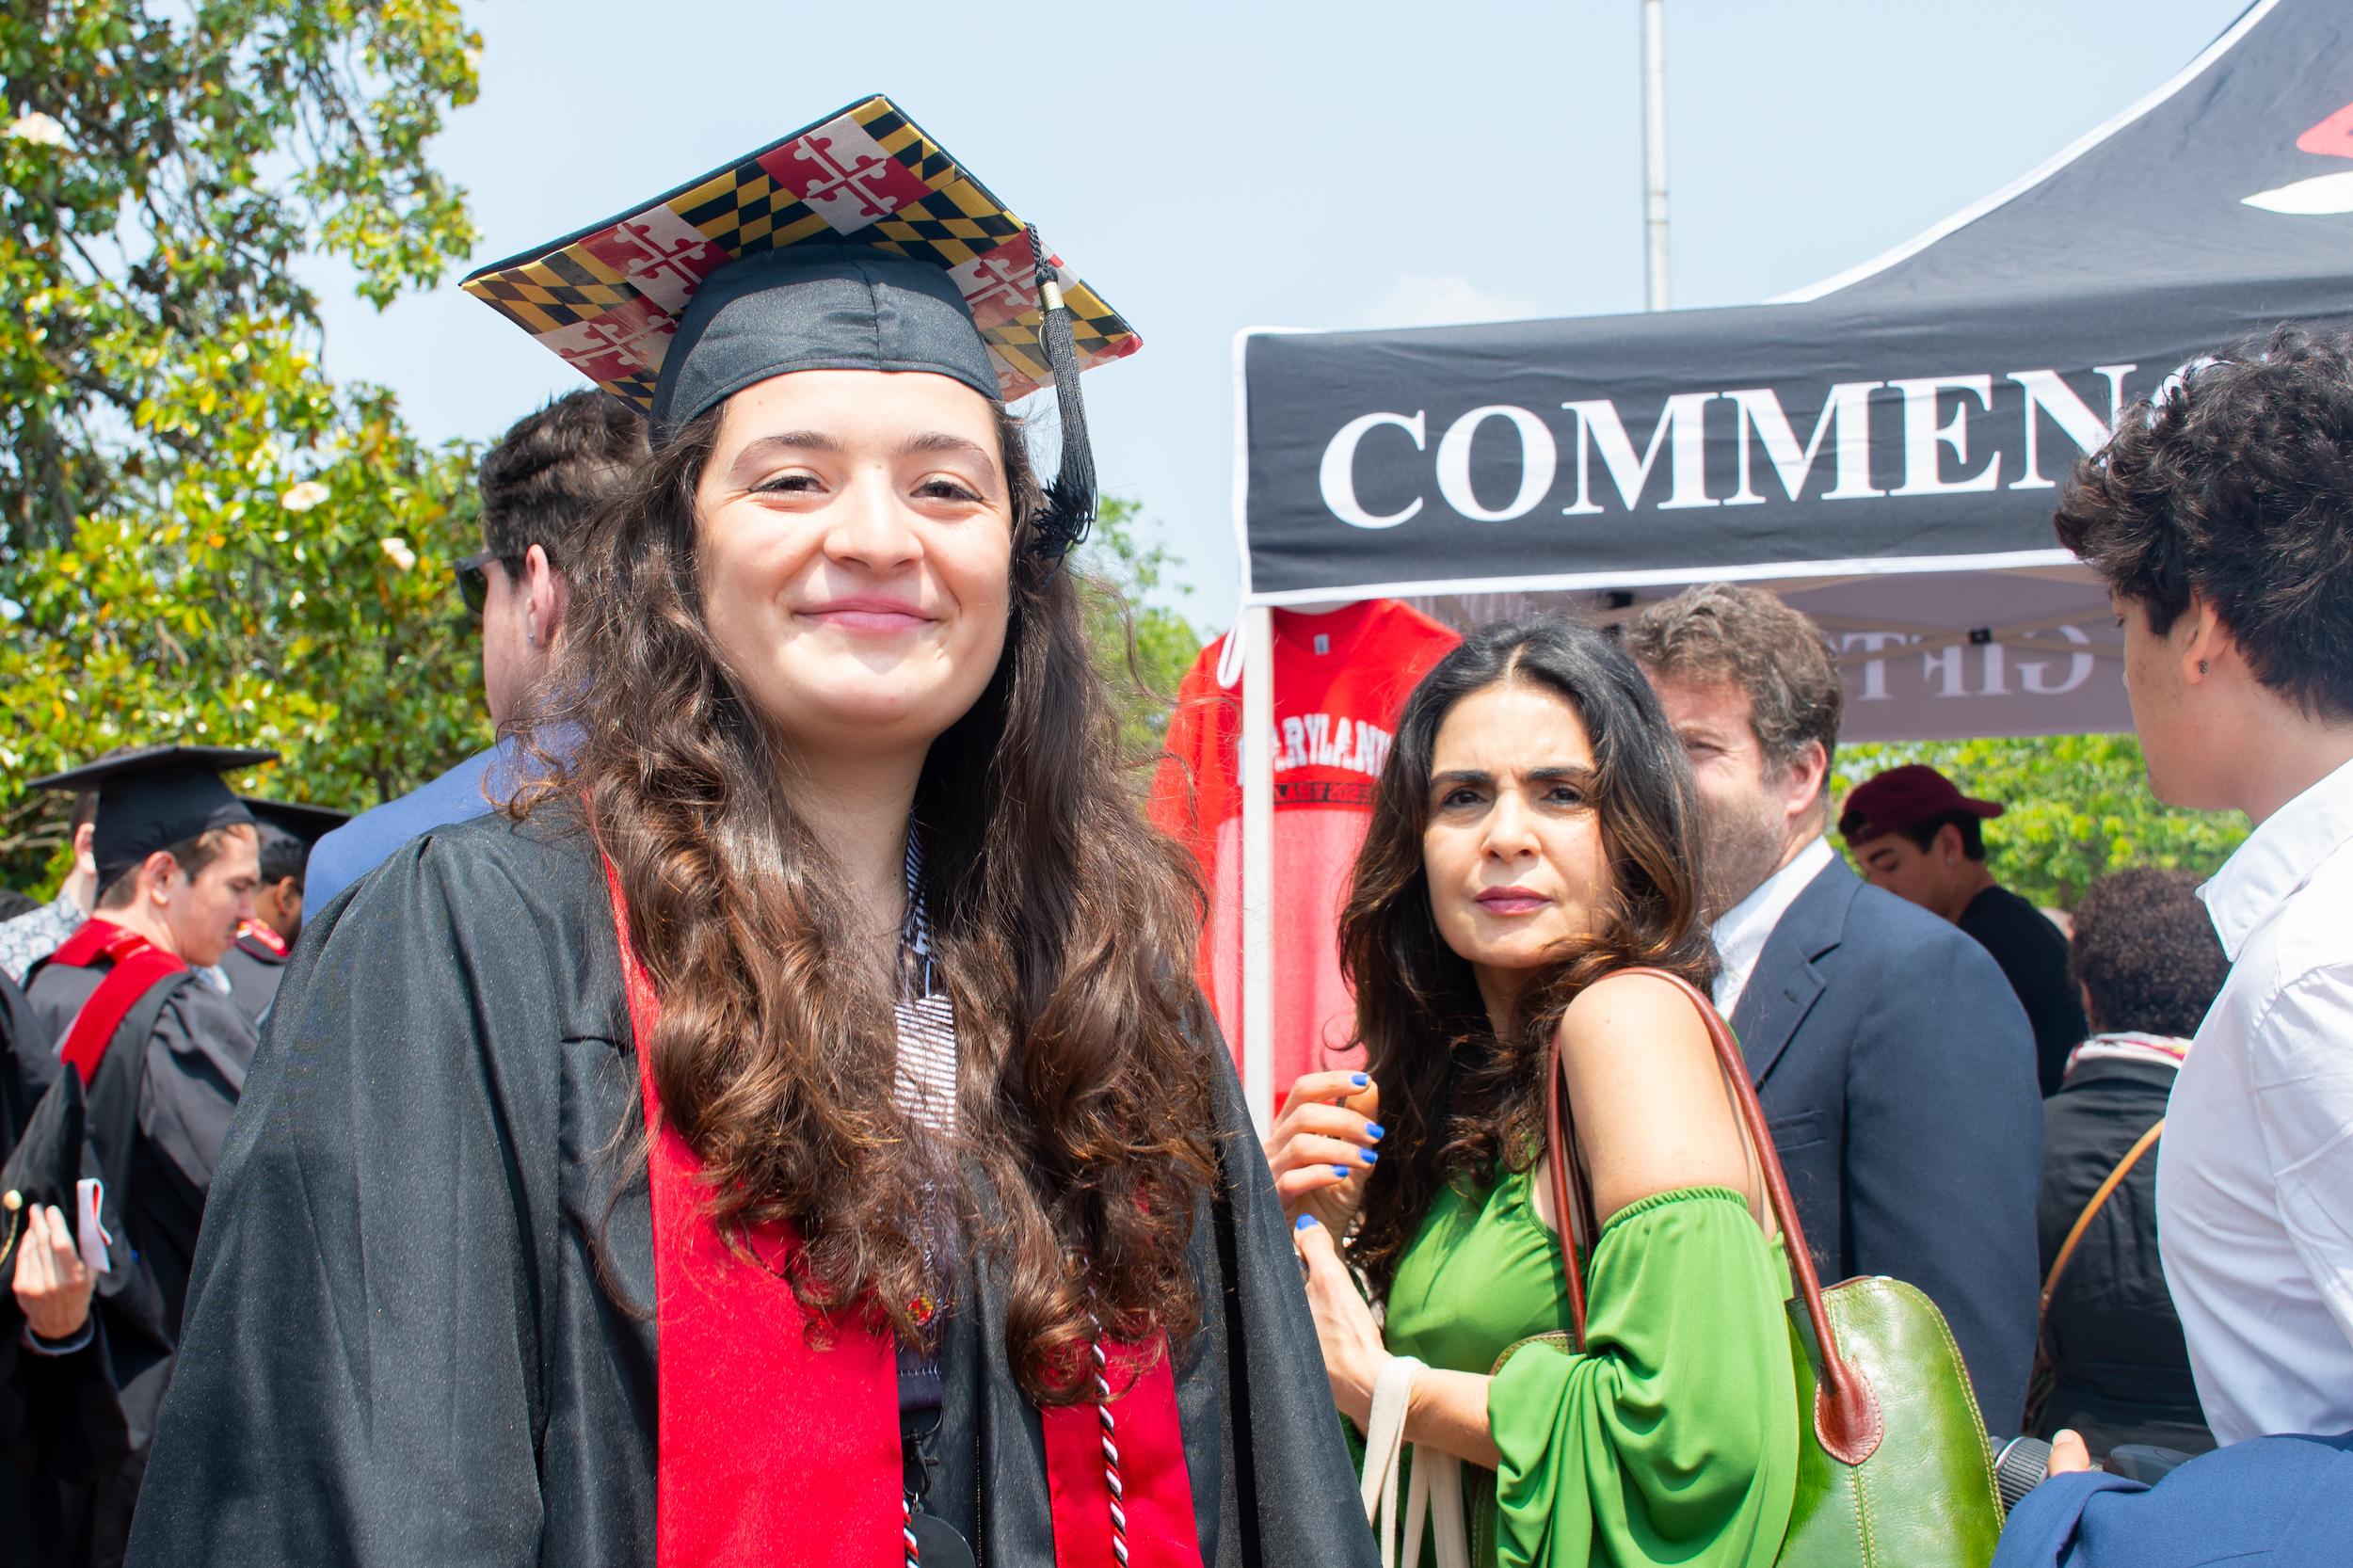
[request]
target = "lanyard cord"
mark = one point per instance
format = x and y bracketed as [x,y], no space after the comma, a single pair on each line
[934,1027]
[1111,1448]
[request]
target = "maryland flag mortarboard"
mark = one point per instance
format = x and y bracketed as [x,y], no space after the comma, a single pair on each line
[609,299]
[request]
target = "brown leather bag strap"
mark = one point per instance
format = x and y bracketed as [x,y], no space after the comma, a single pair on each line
[1570,1221]
[1846,1415]
[2083,1220]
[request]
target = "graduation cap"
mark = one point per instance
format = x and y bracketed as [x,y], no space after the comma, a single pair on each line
[155,797]
[309,824]
[854,243]
[290,831]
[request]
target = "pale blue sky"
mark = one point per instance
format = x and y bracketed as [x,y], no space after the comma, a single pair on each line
[1211,166]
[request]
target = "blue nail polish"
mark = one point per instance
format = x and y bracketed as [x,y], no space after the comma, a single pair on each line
[1359,1080]
[1342,1172]
[1376,1129]
[1304,1220]
[1368,1157]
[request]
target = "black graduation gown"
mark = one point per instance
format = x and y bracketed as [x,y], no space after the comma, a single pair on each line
[254,968]
[195,1062]
[23,1037]
[45,1473]
[81,1424]
[401,1347]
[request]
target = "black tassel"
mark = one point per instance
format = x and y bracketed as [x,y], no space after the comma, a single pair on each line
[1070,499]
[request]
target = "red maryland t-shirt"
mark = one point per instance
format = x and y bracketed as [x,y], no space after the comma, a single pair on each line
[1340,680]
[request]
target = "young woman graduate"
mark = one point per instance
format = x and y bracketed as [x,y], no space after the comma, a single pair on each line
[789,1135]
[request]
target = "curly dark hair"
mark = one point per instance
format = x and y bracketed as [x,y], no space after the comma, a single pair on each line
[1457,1099]
[1774,655]
[2236,485]
[550,472]
[1064,927]
[282,855]
[2146,950]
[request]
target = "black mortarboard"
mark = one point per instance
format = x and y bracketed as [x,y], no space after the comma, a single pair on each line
[309,824]
[856,243]
[155,797]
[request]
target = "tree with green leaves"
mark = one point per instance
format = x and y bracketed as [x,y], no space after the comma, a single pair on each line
[200,535]
[1141,647]
[169,168]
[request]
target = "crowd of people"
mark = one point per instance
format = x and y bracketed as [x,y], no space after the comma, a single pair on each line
[759,1110]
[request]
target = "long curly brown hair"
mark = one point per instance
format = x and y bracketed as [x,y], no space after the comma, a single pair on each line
[1063,926]
[1458,1100]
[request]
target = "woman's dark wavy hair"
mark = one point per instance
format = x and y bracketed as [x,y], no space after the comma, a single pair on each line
[1457,1098]
[1065,929]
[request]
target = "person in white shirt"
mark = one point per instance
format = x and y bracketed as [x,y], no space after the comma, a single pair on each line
[2220,517]
[1894,1062]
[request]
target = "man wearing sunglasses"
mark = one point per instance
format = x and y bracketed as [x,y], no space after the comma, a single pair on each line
[540,486]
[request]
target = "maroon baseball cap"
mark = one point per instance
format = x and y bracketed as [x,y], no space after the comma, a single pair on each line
[1904,797]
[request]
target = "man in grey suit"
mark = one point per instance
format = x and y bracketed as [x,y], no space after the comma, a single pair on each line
[1895,1065]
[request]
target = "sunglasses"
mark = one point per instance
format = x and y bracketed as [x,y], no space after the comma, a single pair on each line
[473,577]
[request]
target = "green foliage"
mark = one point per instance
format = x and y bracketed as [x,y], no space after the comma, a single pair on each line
[2080,804]
[202,536]
[1141,647]
[301,605]
[171,168]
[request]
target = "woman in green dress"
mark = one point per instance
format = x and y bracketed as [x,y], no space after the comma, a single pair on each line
[1533,837]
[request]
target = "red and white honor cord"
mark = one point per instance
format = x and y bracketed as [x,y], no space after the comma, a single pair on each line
[1111,1451]
[1111,1469]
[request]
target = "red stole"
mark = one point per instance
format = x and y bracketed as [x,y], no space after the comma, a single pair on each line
[263,936]
[1156,1489]
[138,963]
[771,1453]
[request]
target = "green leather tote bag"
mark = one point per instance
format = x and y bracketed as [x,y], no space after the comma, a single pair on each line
[1894,1466]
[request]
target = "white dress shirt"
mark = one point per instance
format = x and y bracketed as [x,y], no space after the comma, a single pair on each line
[1741,935]
[2255,1178]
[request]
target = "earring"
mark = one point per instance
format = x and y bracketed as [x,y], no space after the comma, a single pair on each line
[2201,666]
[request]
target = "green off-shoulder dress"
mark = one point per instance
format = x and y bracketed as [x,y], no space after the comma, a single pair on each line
[1674,1438]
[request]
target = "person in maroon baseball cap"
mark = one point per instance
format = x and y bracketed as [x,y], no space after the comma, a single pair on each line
[1913,832]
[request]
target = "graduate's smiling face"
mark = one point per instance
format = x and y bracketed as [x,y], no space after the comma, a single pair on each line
[855,544]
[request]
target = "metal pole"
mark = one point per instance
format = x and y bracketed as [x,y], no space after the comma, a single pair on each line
[1257,759]
[1655,154]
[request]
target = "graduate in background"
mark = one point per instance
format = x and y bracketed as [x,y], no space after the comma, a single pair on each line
[161,1057]
[257,959]
[791,1133]
[32,935]
[538,488]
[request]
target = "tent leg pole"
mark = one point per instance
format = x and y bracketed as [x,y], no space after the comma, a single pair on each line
[1257,759]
